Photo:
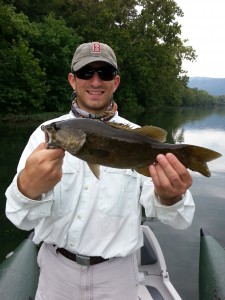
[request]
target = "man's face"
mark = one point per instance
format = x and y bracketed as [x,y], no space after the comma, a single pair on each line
[94,94]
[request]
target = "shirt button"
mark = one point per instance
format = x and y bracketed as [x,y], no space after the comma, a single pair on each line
[79,217]
[85,188]
[72,244]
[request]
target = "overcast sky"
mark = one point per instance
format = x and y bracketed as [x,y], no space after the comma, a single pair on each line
[203,25]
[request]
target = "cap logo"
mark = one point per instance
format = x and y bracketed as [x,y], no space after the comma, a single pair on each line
[96,48]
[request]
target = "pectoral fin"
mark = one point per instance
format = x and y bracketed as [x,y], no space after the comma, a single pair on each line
[95,169]
[76,144]
[143,170]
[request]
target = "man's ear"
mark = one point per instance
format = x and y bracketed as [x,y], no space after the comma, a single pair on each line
[116,82]
[71,80]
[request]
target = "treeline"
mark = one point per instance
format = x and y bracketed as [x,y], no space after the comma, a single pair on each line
[38,39]
[196,97]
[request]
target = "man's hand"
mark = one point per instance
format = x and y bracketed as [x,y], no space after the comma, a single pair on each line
[43,170]
[170,177]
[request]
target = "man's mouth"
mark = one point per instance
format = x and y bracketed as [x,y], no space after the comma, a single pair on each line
[95,92]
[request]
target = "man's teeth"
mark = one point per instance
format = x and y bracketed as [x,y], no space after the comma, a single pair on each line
[95,92]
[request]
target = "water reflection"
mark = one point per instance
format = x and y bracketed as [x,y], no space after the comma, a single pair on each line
[209,138]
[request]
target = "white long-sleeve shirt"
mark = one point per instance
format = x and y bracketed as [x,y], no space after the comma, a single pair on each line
[90,216]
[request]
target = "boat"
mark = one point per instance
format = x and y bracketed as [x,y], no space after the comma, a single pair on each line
[155,283]
[211,268]
[19,271]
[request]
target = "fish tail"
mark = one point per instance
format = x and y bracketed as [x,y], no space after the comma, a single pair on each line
[197,158]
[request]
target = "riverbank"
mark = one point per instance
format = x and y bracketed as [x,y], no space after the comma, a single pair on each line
[34,118]
[29,118]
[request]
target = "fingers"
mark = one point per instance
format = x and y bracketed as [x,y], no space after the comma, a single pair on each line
[49,154]
[46,161]
[178,167]
[170,177]
[43,170]
[41,147]
[170,168]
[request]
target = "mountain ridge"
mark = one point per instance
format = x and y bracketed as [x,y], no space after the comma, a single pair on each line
[213,86]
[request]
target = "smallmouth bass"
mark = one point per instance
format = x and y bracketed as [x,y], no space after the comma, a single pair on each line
[121,146]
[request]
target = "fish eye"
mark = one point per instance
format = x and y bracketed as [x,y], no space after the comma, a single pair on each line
[56,127]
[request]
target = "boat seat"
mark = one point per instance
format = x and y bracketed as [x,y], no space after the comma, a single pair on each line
[148,256]
[149,293]
[154,282]
[154,293]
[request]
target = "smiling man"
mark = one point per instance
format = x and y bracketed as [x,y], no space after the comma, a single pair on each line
[94,80]
[93,94]
[90,228]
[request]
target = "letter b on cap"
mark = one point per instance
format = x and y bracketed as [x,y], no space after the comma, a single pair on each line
[96,48]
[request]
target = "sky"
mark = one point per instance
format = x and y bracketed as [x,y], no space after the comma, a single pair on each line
[203,24]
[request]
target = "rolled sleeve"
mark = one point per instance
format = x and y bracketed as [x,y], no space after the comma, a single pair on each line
[179,215]
[23,212]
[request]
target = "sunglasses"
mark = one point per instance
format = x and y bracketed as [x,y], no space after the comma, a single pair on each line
[106,73]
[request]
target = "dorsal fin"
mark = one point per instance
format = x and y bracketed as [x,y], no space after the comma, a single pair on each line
[120,125]
[155,133]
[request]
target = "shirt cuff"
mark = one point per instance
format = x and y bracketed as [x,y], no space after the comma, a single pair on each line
[159,204]
[178,215]
[46,197]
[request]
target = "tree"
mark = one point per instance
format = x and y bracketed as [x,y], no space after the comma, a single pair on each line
[35,61]
[188,97]
[22,81]
[147,44]
[54,45]
[146,41]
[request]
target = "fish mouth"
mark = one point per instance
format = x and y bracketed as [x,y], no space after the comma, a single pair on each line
[47,137]
[48,140]
[47,134]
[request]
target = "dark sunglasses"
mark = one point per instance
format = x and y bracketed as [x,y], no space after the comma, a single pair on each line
[105,73]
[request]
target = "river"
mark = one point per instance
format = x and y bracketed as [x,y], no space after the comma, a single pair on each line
[199,126]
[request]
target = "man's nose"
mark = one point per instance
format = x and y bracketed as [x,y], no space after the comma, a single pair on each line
[95,78]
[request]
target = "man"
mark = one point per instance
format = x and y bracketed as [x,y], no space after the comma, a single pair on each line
[90,228]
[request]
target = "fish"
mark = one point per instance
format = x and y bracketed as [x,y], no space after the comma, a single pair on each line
[122,146]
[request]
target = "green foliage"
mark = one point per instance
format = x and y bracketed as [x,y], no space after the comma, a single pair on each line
[188,97]
[35,62]
[195,97]
[38,40]
[54,45]
[22,81]
[220,100]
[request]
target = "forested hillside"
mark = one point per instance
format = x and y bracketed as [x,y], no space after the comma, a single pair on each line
[214,86]
[38,39]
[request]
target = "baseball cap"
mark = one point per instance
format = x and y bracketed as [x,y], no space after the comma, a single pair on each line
[90,52]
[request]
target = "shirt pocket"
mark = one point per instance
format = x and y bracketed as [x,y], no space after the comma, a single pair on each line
[119,192]
[66,192]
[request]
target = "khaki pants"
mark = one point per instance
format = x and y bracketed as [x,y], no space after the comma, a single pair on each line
[63,279]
